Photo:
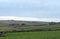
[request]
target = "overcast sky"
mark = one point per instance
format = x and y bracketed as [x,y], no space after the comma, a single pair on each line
[30,8]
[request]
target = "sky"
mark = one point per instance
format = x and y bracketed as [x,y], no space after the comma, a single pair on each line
[30,8]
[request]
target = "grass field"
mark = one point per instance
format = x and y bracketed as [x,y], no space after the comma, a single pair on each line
[33,35]
[45,27]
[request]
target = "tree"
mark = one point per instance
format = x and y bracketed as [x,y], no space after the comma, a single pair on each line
[2,34]
[23,24]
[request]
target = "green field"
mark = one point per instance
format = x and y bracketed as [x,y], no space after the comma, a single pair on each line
[54,34]
[43,27]
[33,35]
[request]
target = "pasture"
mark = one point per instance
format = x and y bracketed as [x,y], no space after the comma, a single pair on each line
[33,35]
[54,33]
[42,27]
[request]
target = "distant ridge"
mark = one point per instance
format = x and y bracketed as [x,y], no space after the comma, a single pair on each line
[29,19]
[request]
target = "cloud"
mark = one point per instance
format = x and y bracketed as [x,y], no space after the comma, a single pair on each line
[29,19]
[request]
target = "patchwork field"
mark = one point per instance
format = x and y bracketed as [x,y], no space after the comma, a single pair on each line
[42,27]
[54,33]
[33,35]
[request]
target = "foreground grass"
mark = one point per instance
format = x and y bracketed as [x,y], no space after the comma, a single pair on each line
[33,35]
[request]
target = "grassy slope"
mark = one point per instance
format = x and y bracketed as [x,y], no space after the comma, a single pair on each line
[33,35]
[7,28]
